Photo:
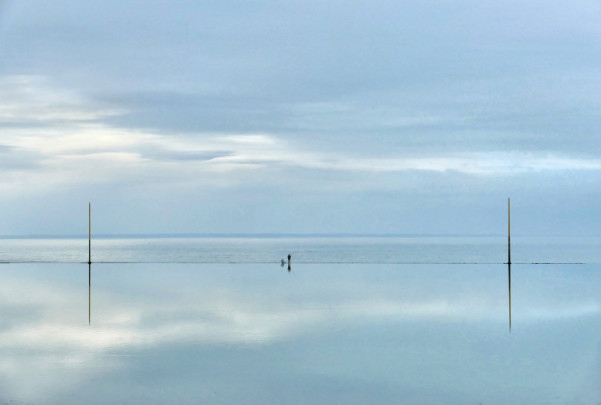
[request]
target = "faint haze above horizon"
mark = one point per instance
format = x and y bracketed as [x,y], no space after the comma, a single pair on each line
[300,117]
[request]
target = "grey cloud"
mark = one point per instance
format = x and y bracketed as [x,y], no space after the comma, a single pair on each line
[290,52]
[206,67]
[178,111]
[342,79]
[184,156]
[13,158]
[3,5]
[381,123]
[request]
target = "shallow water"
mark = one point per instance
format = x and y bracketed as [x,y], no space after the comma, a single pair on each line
[321,333]
[405,250]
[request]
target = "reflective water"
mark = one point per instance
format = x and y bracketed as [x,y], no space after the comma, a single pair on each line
[321,333]
[305,250]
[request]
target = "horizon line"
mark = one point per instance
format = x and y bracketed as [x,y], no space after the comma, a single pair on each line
[267,235]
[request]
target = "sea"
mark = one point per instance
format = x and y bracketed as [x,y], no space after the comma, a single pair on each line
[350,319]
[304,249]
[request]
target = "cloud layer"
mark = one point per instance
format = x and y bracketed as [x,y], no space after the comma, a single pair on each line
[49,131]
[343,99]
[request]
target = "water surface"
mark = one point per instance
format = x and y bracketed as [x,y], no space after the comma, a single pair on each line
[321,333]
[402,250]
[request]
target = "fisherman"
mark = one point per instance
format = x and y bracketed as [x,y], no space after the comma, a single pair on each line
[289,257]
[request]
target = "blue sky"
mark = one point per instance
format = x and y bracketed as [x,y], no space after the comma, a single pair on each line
[300,117]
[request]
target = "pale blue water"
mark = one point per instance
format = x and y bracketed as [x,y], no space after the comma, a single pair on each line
[304,250]
[253,332]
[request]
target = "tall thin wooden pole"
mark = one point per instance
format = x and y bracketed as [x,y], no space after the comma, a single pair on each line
[89,233]
[509,231]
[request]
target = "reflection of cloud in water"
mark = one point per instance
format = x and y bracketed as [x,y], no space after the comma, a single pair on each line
[553,313]
[48,342]
[221,318]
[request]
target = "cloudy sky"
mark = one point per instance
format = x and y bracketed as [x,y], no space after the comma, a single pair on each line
[354,116]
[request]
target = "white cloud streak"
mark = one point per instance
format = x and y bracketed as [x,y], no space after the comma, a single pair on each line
[67,142]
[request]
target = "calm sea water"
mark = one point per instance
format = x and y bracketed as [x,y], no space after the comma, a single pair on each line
[236,327]
[304,250]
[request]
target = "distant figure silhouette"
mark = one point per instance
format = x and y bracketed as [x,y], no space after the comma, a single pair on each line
[289,257]
[282,262]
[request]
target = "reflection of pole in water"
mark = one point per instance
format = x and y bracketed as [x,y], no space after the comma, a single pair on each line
[509,256]
[89,293]
[89,263]
[509,281]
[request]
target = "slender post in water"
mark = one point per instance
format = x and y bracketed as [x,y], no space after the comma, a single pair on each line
[509,231]
[89,233]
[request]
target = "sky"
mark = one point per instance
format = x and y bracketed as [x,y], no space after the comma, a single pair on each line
[355,116]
